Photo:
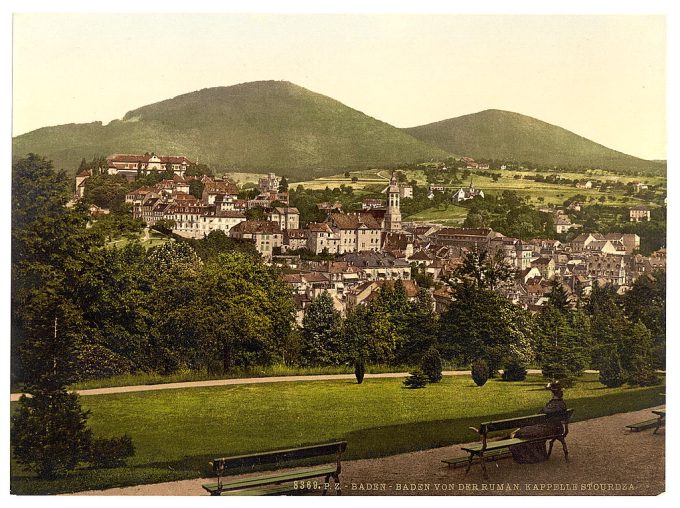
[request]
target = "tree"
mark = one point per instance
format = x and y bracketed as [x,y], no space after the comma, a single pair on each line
[174,257]
[283,185]
[484,270]
[637,363]
[646,302]
[196,189]
[558,297]
[611,372]
[560,348]
[431,365]
[49,433]
[416,379]
[164,226]
[480,372]
[481,323]
[322,333]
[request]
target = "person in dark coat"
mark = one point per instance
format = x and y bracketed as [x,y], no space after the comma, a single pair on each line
[530,453]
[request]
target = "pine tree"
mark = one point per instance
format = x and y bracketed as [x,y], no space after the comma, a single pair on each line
[431,365]
[322,333]
[49,433]
[416,379]
[611,372]
[637,361]
[561,351]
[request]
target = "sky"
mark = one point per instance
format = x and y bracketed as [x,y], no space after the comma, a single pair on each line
[603,77]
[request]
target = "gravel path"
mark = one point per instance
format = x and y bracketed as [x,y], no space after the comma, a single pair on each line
[605,459]
[245,381]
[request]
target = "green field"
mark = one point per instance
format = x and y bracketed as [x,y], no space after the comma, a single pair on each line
[176,432]
[539,194]
[368,177]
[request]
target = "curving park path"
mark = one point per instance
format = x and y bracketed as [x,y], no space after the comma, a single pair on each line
[247,381]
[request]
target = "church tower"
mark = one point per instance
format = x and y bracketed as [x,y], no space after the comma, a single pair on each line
[393,214]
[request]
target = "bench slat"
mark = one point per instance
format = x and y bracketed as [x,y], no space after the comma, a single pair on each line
[636,427]
[272,479]
[273,490]
[280,455]
[523,421]
[493,455]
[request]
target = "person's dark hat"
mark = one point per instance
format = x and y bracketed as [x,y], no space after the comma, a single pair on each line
[555,386]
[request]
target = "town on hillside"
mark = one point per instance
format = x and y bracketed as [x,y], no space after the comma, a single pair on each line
[351,255]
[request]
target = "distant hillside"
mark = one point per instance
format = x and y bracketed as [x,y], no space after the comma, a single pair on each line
[259,126]
[495,134]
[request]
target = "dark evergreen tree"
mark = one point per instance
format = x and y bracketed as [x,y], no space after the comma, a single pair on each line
[561,350]
[359,369]
[49,433]
[480,372]
[481,323]
[416,379]
[611,372]
[431,365]
[558,297]
[322,333]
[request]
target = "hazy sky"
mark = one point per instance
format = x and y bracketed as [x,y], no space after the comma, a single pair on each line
[602,77]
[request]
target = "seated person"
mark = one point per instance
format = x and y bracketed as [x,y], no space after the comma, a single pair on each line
[529,453]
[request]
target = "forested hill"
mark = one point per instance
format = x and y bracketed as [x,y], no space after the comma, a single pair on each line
[258,126]
[496,134]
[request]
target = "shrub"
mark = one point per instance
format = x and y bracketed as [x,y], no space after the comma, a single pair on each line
[432,365]
[480,372]
[112,452]
[49,434]
[644,377]
[514,371]
[359,370]
[96,362]
[416,379]
[611,372]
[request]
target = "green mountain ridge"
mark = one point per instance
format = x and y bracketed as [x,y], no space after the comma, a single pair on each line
[260,126]
[278,126]
[498,134]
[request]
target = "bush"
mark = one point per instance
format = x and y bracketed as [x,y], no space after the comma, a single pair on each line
[49,434]
[480,372]
[416,379]
[514,371]
[432,365]
[611,372]
[112,452]
[96,362]
[360,370]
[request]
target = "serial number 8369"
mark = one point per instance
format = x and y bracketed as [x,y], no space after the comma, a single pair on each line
[313,485]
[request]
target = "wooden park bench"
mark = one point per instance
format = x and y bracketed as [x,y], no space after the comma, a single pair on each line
[654,423]
[493,450]
[279,482]
[661,420]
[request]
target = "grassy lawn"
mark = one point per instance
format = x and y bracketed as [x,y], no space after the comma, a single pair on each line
[155,239]
[451,215]
[176,432]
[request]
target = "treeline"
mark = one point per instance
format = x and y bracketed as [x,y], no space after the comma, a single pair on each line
[509,214]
